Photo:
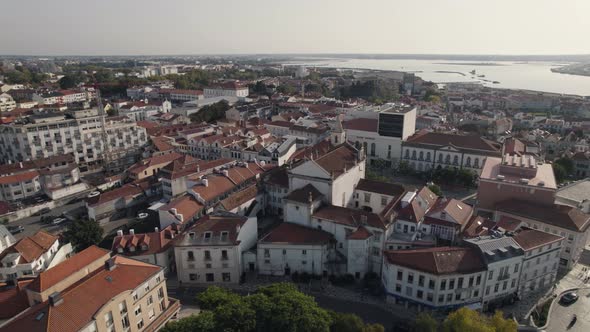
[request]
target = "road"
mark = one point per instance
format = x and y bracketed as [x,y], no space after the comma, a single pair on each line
[33,224]
[561,315]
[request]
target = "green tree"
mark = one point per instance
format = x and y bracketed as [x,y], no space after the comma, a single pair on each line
[435,189]
[83,233]
[466,319]
[559,172]
[343,322]
[211,112]
[425,323]
[215,296]
[67,82]
[204,322]
[566,163]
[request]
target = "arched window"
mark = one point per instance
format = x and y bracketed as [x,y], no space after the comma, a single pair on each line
[407,154]
[365,146]
[440,158]
[476,163]
[357,145]
[468,162]
[448,159]
[372,149]
[456,160]
[421,155]
[413,154]
[427,156]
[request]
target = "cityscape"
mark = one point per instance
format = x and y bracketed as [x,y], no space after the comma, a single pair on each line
[299,187]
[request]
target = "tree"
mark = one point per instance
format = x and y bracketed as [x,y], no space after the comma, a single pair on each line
[559,172]
[211,112]
[204,322]
[435,189]
[343,322]
[214,297]
[466,319]
[425,323]
[83,233]
[566,163]
[67,82]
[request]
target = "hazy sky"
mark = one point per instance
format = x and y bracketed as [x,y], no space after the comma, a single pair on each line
[128,27]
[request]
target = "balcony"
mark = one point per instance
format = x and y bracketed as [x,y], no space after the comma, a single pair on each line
[172,309]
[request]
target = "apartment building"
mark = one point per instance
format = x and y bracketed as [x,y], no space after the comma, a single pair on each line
[29,256]
[228,89]
[79,132]
[541,259]
[569,222]
[518,177]
[180,95]
[211,250]
[425,151]
[290,248]
[503,258]
[7,103]
[6,238]
[153,247]
[93,292]
[436,278]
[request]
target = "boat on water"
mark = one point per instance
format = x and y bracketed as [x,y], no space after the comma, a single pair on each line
[481,75]
[496,82]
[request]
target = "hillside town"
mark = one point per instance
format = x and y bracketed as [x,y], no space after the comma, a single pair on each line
[125,183]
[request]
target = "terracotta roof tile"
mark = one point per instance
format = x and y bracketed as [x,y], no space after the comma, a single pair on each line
[32,247]
[438,261]
[51,277]
[383,188]
[530,239]
[296,234]
[349,217]
[557,215]
[236,199]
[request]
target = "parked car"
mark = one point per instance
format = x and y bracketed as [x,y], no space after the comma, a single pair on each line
[142,215]
[15,229]
[42,211]
[569,298]
[58,221]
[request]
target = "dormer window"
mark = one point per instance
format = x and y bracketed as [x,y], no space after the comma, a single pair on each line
[443,215]
[144,247]
[191,235]
[207,235]
[119,250]
[132,248]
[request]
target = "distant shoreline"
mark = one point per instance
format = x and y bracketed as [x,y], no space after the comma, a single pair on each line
[470,63]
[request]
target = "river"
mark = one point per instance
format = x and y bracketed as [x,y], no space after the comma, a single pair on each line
[531,75]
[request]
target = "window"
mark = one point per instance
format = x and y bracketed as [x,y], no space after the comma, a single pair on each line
[449,297]
[383,200]
[210,277]
[419,294]
[207,235]
[151,314]
[452,284]
[441,298]
[125,321]
[431,284]
[421,281]
[491,275]
[400,275]
[488,290]
[398,288]
[409,291]
[304,252]
[191,256]
[207,255]
[460,282]
[192,276]
[140,324]
[478,280]
[367,198]
[429,297]
[410,278]
[158,279]
[266,252]
[138,310]
[108,318]
[443,284]
[150,300]
[470,282]
[513,283]
[457,296]
[224,255]
[516,267]
[505,285]
[161,293]
[284,251]
[476,293]
[496,288]
[146,287]
[226,277]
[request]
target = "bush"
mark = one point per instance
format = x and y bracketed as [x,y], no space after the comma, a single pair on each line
[295,276]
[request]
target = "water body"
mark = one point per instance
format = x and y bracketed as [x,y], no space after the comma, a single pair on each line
[511,75]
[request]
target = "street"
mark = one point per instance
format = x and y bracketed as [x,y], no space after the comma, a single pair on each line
[561,315]
[33,224]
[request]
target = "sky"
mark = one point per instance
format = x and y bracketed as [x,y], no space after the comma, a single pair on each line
[150,27]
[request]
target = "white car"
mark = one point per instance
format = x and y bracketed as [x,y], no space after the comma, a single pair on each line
[58,221]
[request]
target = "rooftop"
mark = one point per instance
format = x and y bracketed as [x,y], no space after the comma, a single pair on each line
[466,142]
[438,260]
[530,239]
[383,188]
[519,169]
[222,229]
[296,234]
[563,216]
[30,248]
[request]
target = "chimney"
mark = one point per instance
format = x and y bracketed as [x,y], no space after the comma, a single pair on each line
[132,232]
[120,232]
[205,182]
[20,164]
[109,264]
[55,299]
[156,229]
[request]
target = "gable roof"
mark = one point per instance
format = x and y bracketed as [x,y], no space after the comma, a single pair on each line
[378,187]
[528,238]
[156,242]
[439,260]
[236,199]
[335,161]
[557,215]
[349,217]
[296,234]
[302,195]
[362,124]
[30,248]
[469,142]
[51,277]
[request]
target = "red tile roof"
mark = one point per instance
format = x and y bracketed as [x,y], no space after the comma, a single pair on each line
[453,208]
[557,215]
[51,277]
[296,234]
[439,260]
[82,300]
[241,197]
[186,205]
[156,242]
[361,233]
[13,299]
[334,162]
[362,124]
[349,217]
[32,247]
[18,178]
[378,187]
[128,190]
[458,141]
[530,239]
[302,195]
